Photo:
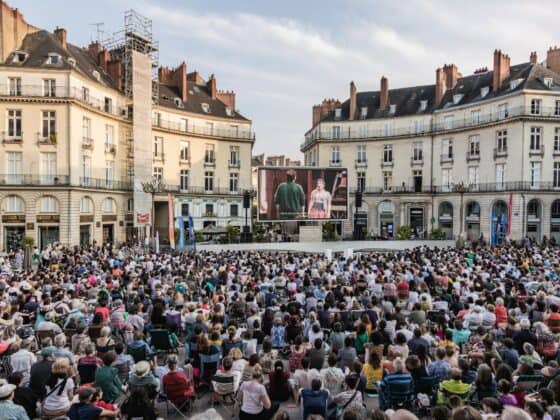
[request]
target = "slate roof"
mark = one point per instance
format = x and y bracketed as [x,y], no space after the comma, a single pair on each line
[408,99]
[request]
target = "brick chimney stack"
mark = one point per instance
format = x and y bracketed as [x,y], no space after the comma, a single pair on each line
[227,97]
[211,85]
[501,69]
[451,75]
[533,57]
[316,115]
[319,111]
[176,78]
[352,101]
[384,93]
[60,34]
[553,59]
[103,59]
[440,85]
[94,49]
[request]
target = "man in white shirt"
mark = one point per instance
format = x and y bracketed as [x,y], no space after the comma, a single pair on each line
[22,360]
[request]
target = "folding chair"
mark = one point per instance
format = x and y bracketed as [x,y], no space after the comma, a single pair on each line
[138,354]
[227,398]
[209,365]
[87,373]
[160,341]
[398,394]
[428,385]
[530,383]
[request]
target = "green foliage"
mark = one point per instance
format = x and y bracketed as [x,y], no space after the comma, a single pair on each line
[329,233]
[403,233]
[198,236]
[232,233]
[437,234]
[27,241]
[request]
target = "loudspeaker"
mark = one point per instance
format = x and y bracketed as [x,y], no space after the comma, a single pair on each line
[358,199]
[247,200]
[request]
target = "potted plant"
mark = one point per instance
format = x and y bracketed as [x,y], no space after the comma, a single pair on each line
[52,138]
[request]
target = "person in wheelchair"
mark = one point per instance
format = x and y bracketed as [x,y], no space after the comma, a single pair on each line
[397,378]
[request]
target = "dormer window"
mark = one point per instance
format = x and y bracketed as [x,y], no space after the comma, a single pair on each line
[96,75]
[548,82]
[392,109]
[514,83]
[178,102]
[196,89]
[19,57]
[337,113]
[457,98]
[363,112]
[229,112]
[205,107]
[53,58]
[423,105]
[484,91]
[72,62]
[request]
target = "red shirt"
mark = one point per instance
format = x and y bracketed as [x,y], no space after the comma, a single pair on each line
[103,311]
[177,387]
[501,314]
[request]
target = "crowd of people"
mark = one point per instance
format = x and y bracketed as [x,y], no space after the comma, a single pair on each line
[102,332]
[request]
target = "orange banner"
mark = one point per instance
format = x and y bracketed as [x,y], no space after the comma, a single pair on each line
[171,221]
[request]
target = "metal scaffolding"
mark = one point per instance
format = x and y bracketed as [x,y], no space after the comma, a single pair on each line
[136,36]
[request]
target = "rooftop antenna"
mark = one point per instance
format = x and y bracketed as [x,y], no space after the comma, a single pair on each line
[99,29]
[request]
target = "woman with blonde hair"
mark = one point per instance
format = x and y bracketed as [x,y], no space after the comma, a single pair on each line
[105,342]
[59,389]
[238,362]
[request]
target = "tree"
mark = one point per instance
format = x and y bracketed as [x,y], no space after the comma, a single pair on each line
[403,233]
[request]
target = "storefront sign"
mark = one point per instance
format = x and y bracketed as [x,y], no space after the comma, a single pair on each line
[128,217]
[86,218]
[30,226]
[48,218]
[109,218]
[13,218]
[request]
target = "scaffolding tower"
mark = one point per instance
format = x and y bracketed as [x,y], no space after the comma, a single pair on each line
[136,36]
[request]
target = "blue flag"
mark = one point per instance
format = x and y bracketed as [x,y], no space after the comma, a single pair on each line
[181,233]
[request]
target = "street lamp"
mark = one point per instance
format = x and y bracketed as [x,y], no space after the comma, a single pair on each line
[151,187]
[460,189]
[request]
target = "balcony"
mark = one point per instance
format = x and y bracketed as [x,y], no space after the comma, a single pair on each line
[335,163]
[446,158]
[87,143]
[33,180]
[234,164]
[361,163]
[419,160]
[159,157]
[14,138]
[165,187]
[130,153]
[105,184]
[110,148]
[500,152]
[48,140]
[385,163]
[556,152]
[203,130]
[184,159]
[537,152]
[209,162]
[473,156]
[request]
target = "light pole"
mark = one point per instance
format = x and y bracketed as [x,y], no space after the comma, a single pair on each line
[151,187]
[461,189]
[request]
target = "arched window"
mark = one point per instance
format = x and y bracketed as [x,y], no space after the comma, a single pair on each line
[14,204]
[109,206]
[48,204]
[86,205]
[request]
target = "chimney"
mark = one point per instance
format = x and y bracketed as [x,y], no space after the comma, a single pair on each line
[553,59]
[227,97]
[501,69]
[180,74]
[384,93]
[316,115]
[533,57]
[211,85]
[103,59]
[94,49]
[451,75]
[352,101]
[440,85]
[114,69]
[60,33]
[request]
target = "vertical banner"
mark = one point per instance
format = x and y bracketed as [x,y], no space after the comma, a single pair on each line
[171,221]
[509,214]
[181,243]
[192,241]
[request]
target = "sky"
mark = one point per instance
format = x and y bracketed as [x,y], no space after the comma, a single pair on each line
[281,58]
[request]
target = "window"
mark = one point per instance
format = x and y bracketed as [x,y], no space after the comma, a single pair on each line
[234,155]
[535,106]
[234,131]
[210,128]
[53,58]
[184,209]
[209,156]
[336,132]
[14,167]
[337,113]
[457,98]
[48,205]
[85,94]
[205,107]
[158,147]
[423,105]
[474,145]
[157,119]
[209,209]
[183,124]
[233,210]
[184,179]
[49,87]
[501,175]
[335,155]
[387,153]
[484,91]
[556,175]
[130,205]
[109,172]
[363,112]
[473,175]
[557,139]
[501,141]
[503,111]
[361,153]
[447,149]
[446,179]
[184,151]
[548,82]
[108,105]
[233,182]
[448,122]
[208,181]
[535,143]
[86,129]
[387,181]
[178,102]
[361,181]
[108,136]
[392,108]
[15,86]
[158,174]
[48,131]
[86,205]
[418,126]
[47,167]
[14,124]
[475,117]
[109,206]
[535,174]
[557,108]
[86,168]
[14,204]
[417,151]
[388,129]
